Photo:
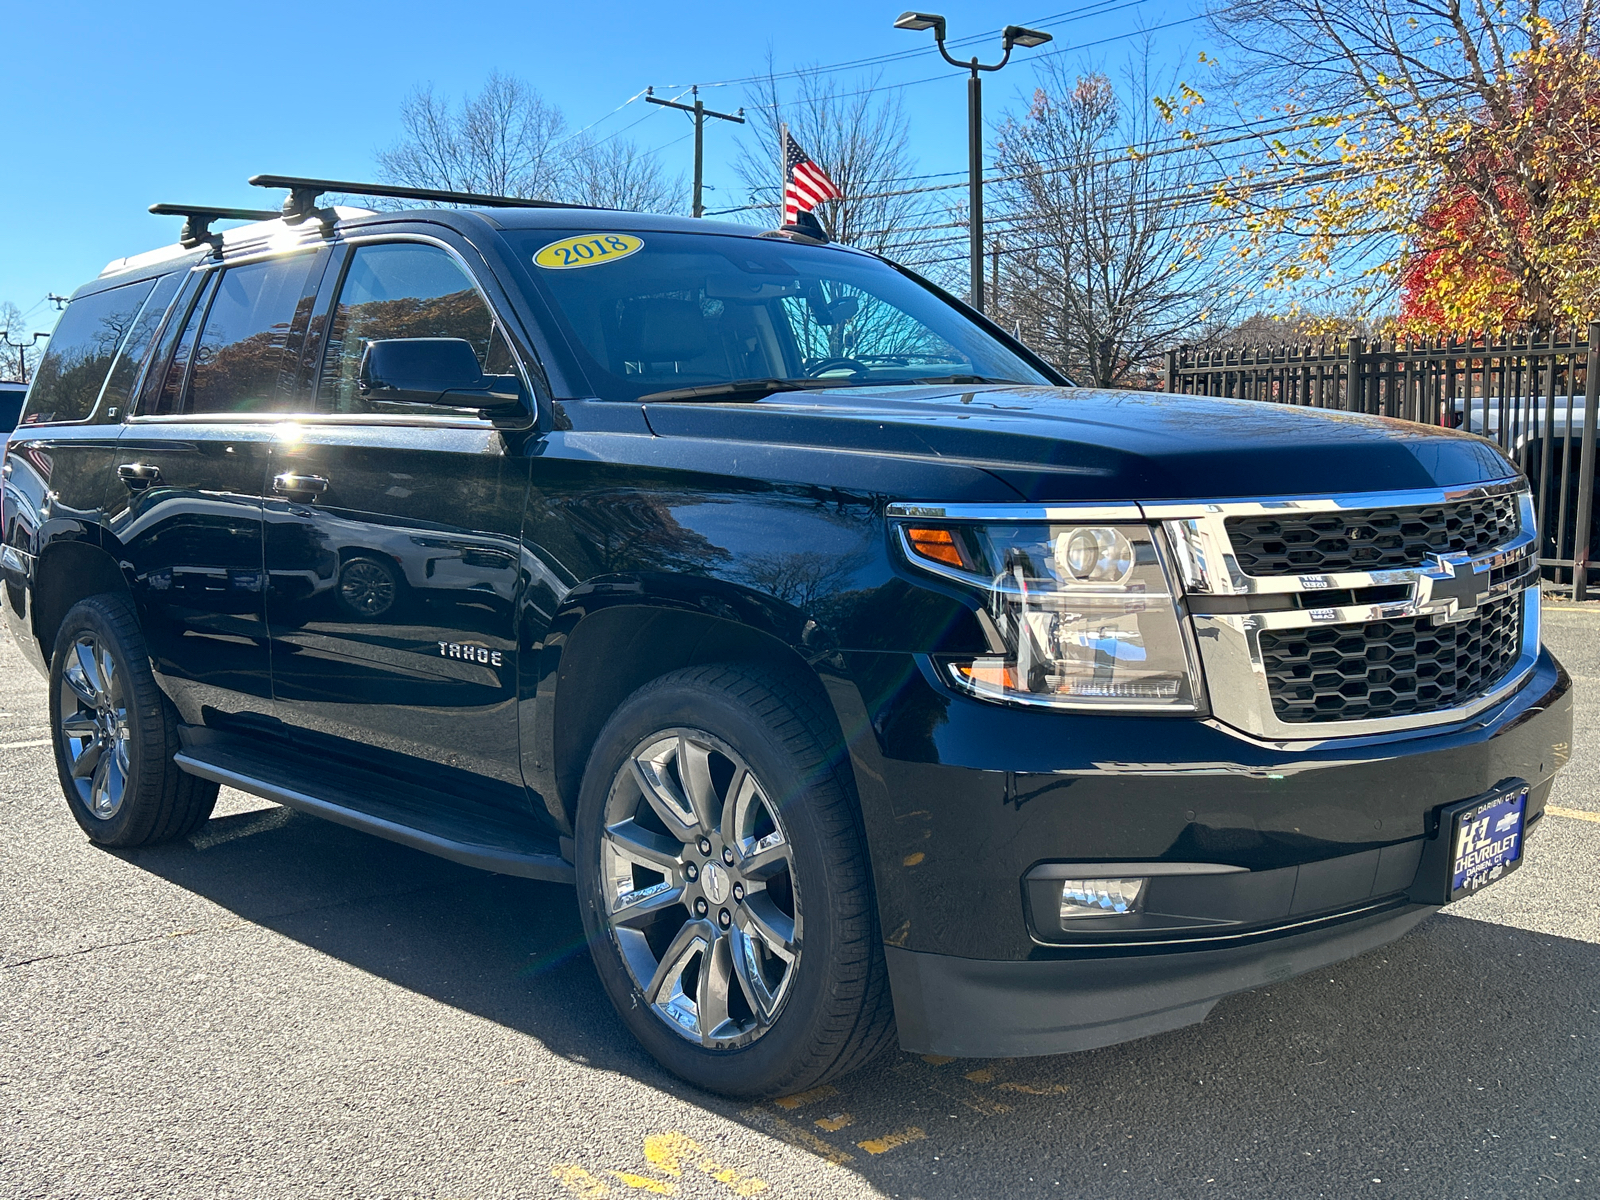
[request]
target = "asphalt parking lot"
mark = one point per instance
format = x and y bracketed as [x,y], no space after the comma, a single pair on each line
[281,1007]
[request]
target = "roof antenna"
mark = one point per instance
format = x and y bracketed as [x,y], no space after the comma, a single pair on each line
[197,220]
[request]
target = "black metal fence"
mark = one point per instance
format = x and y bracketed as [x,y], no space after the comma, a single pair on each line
[1536,396]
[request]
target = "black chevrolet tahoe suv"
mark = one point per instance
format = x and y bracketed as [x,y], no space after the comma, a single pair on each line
[867,679]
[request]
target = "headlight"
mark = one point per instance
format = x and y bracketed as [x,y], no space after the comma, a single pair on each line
[1085,614]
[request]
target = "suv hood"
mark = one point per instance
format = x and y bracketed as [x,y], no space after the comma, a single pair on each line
[1063,444]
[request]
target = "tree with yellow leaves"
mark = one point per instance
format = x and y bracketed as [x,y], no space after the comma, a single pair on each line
[1447,151]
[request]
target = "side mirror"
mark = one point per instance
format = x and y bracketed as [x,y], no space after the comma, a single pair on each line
[437,371]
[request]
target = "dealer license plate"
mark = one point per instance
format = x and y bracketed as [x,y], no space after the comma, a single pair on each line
[1486,839]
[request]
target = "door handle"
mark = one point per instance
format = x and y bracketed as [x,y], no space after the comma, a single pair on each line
[299,487]
[138,476]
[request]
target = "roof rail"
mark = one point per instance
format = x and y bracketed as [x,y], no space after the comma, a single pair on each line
[197,220]
[303,194]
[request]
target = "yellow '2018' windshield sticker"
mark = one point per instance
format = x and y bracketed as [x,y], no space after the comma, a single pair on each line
[587,250]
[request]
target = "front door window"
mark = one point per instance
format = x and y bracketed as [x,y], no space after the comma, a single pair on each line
[403,290]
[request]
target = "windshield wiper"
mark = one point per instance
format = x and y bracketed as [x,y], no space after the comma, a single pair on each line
[740,389]
[958,379]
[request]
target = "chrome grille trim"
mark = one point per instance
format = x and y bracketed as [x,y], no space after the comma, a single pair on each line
[1230,646]
[1373,539]
[1208,564]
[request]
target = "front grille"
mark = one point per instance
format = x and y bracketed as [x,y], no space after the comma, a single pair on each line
[1394,668]
[1377,539]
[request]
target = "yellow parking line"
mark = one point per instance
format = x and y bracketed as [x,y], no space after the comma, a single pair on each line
[890,1141]
[1576,814]
[800,1099]
[802,1139]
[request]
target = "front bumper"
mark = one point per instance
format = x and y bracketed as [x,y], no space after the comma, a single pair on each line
[962,800]
[973,1008]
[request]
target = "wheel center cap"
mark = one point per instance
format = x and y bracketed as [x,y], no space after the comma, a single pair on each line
[715,882]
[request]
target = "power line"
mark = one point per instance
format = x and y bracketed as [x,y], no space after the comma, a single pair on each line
[1152,148]
[1098,9]
[1078,46]
[799,72]
[598,120]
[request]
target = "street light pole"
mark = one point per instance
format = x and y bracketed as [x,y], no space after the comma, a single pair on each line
[975,179]
[1011,35]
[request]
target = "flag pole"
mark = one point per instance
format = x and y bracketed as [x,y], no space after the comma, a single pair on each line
[783,167]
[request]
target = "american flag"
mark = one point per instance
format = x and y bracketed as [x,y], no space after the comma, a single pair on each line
[805,185]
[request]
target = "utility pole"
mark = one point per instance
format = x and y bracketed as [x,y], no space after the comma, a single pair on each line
[700,112]
[21,348]
[59,301]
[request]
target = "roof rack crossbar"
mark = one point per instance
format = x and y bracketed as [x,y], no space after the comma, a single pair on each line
[197,219]
[303,194]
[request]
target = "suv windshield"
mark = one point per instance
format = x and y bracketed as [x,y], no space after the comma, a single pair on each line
[662,312]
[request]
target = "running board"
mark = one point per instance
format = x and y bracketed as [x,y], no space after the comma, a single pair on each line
[477,836]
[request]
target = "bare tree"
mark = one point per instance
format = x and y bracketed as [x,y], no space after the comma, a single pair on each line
[12,359]
[858,135]
[1097,241]
[617,174]
[499,141]
[507,140]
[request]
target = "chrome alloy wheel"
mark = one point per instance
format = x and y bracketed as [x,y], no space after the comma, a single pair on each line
[700,890]
[94,726]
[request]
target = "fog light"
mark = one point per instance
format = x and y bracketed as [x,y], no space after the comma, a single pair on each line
[1100,897]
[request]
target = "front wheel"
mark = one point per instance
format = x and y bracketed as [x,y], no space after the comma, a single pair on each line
[724,884]
[368,587]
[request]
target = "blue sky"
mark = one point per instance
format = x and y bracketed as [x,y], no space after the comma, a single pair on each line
[110,107]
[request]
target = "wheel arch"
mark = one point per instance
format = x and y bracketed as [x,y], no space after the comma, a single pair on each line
[608,654]
[69,570]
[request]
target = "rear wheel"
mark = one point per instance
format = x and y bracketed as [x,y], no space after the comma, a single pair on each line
[115,732]
[725,888]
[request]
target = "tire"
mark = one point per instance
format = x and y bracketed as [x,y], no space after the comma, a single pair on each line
[368,588]
[714,998]
[115,732]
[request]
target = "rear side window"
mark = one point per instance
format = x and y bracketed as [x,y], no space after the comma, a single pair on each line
[403,290]
[136,346]
[241,363]
[240,346]
[185,329]
[81,350]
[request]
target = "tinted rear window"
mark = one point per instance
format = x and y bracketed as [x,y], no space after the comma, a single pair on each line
[81,350]
[241,363]
[136,346]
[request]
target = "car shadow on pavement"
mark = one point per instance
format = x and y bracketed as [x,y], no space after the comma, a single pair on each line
[1459,1061]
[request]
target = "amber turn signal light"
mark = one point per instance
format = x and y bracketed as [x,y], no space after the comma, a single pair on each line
[937,544]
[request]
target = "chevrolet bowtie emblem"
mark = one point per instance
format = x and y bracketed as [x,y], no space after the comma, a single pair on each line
[1453,587]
